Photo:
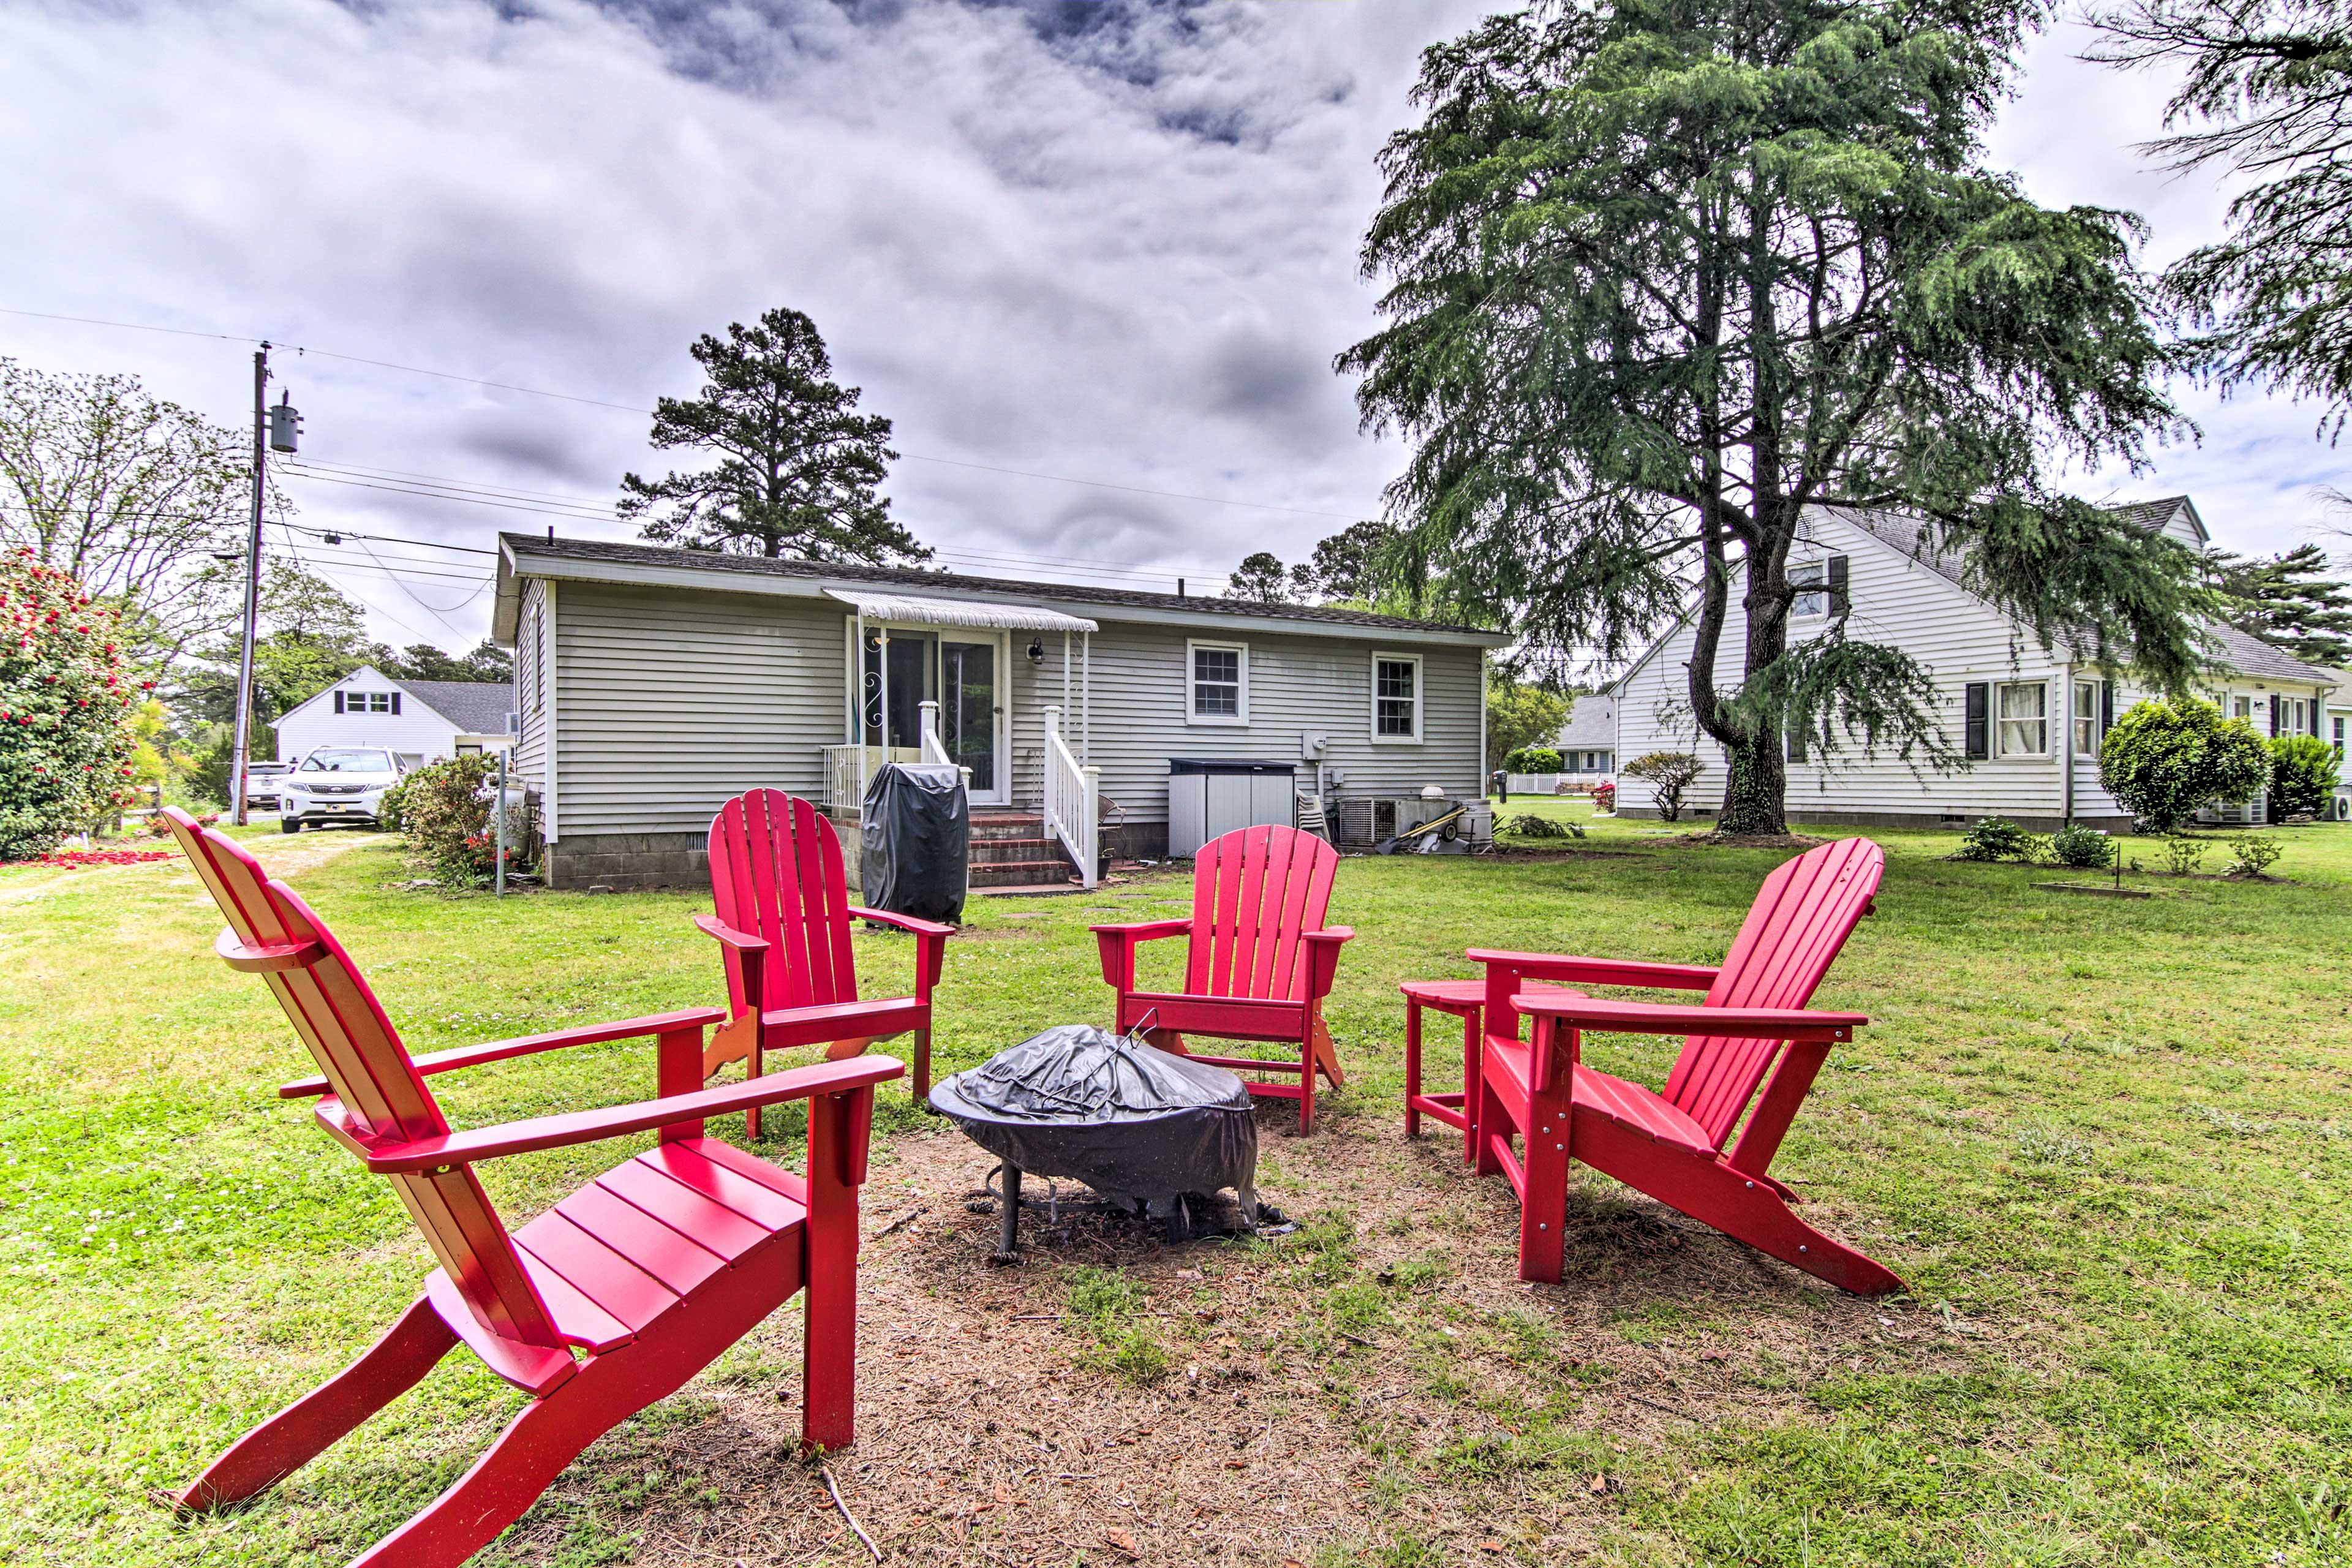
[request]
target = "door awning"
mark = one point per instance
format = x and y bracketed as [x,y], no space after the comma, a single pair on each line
[924,610]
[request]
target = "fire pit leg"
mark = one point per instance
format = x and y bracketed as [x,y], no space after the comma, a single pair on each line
[1008,1235]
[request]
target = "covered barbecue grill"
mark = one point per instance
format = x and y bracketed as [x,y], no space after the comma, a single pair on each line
[1153,1133]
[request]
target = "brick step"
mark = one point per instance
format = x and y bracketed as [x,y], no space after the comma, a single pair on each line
[996,851]
[1020,873]
[1007,825]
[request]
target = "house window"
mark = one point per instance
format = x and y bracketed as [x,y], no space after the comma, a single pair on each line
[1396,697]
[2024,719]
[2086,718]
[1821,586]
[1220,682]
[367,701]
[2340,740]
[2245,708]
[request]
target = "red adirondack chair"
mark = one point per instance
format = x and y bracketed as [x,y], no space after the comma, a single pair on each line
[1671,1145]
[652,1269]
[1260,962]
[783,925]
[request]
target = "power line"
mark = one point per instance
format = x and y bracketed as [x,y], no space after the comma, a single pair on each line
[549,504]
[630,409]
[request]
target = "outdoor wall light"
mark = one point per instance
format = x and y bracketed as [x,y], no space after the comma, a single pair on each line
[1037,650]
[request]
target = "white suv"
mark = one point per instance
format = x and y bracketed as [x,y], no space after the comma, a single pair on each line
[337,783]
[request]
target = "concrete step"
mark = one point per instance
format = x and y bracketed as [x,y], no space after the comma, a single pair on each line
[1007,825]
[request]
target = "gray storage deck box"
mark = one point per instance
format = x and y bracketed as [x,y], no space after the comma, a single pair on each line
[1209,796]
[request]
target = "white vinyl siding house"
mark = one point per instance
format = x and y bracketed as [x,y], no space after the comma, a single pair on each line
[653,684]
[2027,722]
[420,720]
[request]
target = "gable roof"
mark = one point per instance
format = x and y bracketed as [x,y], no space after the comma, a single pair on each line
[476,707]
[519,551]
[2233,649]
[1591,725]
[472,706]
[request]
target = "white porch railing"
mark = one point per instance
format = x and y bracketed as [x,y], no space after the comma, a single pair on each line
[933,751]
[1072,801]
[845,777]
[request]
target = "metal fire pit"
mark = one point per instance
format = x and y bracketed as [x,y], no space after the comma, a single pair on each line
[1154,1134]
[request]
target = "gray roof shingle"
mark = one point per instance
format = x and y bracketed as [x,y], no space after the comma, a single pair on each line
[1591,725]
[950,581]
[476,707]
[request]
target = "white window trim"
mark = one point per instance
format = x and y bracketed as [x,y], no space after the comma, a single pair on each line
[1797,612]
[2000,746]
[2079,716]
[1217,720]
[1420,699]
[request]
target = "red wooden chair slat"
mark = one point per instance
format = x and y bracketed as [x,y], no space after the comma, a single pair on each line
[777,877]
[1672,1144]
[653,1270]
[1252,969]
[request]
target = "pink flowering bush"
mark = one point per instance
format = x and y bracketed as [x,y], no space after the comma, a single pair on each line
[66,708]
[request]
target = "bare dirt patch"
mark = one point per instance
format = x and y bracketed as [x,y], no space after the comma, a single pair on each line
[1380,1375]
[1755,840]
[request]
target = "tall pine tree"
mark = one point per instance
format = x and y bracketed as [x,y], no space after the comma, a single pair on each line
[797,467]
[1664,273]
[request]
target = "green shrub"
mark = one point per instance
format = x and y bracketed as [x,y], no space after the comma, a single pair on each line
[2183,855]
[1669,774]
[1528,824]
[2165,760]
[1532,760]
[1996,838]
[2253,855]
[2081,846]
[444,809]
[67,733]
[2303,775]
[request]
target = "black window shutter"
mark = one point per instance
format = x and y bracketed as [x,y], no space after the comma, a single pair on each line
[339,701]
[2274,712]
[2106,706]
[1841,597]
[1976,731]
[395,701]
[1796,745]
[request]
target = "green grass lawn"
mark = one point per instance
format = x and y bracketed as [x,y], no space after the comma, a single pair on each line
[2107,1142]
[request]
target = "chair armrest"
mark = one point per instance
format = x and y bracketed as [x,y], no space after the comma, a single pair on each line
[1323,958]
[695,1018]
[595,1126]
[904,922]
[750,954]
[1598,971]
[1595,1013]
[931,943]
[1117,945]
[741,942]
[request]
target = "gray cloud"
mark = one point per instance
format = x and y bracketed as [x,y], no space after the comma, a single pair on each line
[1114,241]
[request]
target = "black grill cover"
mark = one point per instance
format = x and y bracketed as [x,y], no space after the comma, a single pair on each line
[1136,1123]
[915,841]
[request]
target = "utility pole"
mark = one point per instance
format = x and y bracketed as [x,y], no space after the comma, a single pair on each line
[252,590]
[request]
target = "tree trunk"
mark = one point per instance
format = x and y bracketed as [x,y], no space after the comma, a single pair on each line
[1755,791]
[1755,787]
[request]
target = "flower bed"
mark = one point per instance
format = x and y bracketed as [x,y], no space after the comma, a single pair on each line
[103,856]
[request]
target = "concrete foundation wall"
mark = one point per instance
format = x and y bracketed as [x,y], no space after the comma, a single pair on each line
[578,861]
[1959,823]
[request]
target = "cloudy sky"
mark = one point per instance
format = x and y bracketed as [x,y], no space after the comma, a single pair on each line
[1102,243]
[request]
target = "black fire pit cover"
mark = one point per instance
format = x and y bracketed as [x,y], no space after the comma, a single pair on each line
[1137,1124]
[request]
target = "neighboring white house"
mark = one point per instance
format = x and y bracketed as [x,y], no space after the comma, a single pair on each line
[1588,742]
[423,720]
[2337,721]
[2029,722]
